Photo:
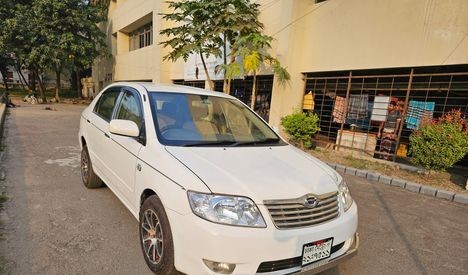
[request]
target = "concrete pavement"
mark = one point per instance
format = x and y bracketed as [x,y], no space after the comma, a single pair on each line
[54,225]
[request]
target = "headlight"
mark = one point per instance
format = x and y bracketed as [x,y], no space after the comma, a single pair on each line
[223,209]
[345,195]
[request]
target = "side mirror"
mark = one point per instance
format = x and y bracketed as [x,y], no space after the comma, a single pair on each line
[124,127]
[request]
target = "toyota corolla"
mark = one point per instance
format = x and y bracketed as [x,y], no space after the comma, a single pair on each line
[214,188]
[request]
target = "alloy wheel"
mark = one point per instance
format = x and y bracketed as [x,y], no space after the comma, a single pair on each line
[84,166]
[152,236]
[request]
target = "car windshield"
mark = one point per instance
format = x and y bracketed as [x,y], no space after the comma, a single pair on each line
[200,120]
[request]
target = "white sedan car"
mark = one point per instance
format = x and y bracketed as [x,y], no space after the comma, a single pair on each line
[214,188]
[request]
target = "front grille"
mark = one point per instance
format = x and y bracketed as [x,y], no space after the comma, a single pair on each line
[288,263]
[293,213]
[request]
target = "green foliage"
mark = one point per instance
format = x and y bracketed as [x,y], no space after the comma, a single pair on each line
[5,61]
[193,33]
[231,70]
[252,62]
[51,34]
[301,126]
[253,49]
[202,25]
[235,18]
[281,73]
[69,30]
[207,27]
[439,144]
[3,199]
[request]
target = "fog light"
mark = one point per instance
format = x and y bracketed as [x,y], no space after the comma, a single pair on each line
[222,268]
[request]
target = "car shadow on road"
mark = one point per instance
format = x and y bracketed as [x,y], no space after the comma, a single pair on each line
[407,243]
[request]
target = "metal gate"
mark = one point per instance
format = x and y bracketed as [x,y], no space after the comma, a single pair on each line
[374,112]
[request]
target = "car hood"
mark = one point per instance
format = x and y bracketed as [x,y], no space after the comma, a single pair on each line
[260,173]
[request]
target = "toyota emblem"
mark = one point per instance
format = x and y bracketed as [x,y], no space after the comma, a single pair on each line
[311,202]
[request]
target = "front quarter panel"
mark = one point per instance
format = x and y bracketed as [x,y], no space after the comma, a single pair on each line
[167,177]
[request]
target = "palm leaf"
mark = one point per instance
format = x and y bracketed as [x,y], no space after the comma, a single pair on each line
[233,70]
[252,62]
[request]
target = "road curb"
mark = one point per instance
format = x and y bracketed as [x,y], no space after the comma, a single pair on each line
[2,122]
[408,185]
[2,117]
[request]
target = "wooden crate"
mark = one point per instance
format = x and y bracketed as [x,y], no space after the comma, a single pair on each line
[357,143]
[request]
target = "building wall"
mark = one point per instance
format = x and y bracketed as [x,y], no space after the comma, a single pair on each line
[362,34]
[309,37]
[145,64]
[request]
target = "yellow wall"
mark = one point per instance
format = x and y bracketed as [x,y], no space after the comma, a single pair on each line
[332,35]
[362,34]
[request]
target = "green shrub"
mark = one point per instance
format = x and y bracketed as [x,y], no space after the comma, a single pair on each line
[439,144]
[301,127]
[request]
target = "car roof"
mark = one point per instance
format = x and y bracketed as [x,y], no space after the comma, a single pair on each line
[171,88]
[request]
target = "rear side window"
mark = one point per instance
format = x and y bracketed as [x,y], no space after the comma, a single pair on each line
[105,105]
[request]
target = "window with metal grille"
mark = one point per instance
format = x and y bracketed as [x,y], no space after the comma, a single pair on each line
[374,112]
[141,37]
[242,89]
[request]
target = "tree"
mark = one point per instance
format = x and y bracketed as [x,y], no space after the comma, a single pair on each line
[88,43]
[11,48]
[52,34]
[194,33]
[6,59]
[72,34]
[207,27]
[236,18]
[253,49]
[22,36]
[5,62]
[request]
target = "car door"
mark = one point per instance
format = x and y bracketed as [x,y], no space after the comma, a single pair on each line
[98,133]
[122,151]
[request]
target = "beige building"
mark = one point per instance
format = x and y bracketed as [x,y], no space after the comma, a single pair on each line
[329,48]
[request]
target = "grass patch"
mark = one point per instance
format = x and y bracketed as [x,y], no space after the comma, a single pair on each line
[3,199]
[2,130]
[356,163]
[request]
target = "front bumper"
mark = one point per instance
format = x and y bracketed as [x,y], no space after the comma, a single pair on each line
[329,263]
[196,239]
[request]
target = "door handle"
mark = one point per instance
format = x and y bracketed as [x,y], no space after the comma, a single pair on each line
[88,121]
[106,135]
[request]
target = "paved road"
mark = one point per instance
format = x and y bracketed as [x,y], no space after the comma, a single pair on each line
[53,225]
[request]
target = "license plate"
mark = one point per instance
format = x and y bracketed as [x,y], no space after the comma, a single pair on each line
[316,251]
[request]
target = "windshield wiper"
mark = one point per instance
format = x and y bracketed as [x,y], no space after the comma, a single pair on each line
[256,142]
[211,143]
[234,143]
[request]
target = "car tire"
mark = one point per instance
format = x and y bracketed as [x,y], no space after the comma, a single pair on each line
[90,179]
[156,237]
